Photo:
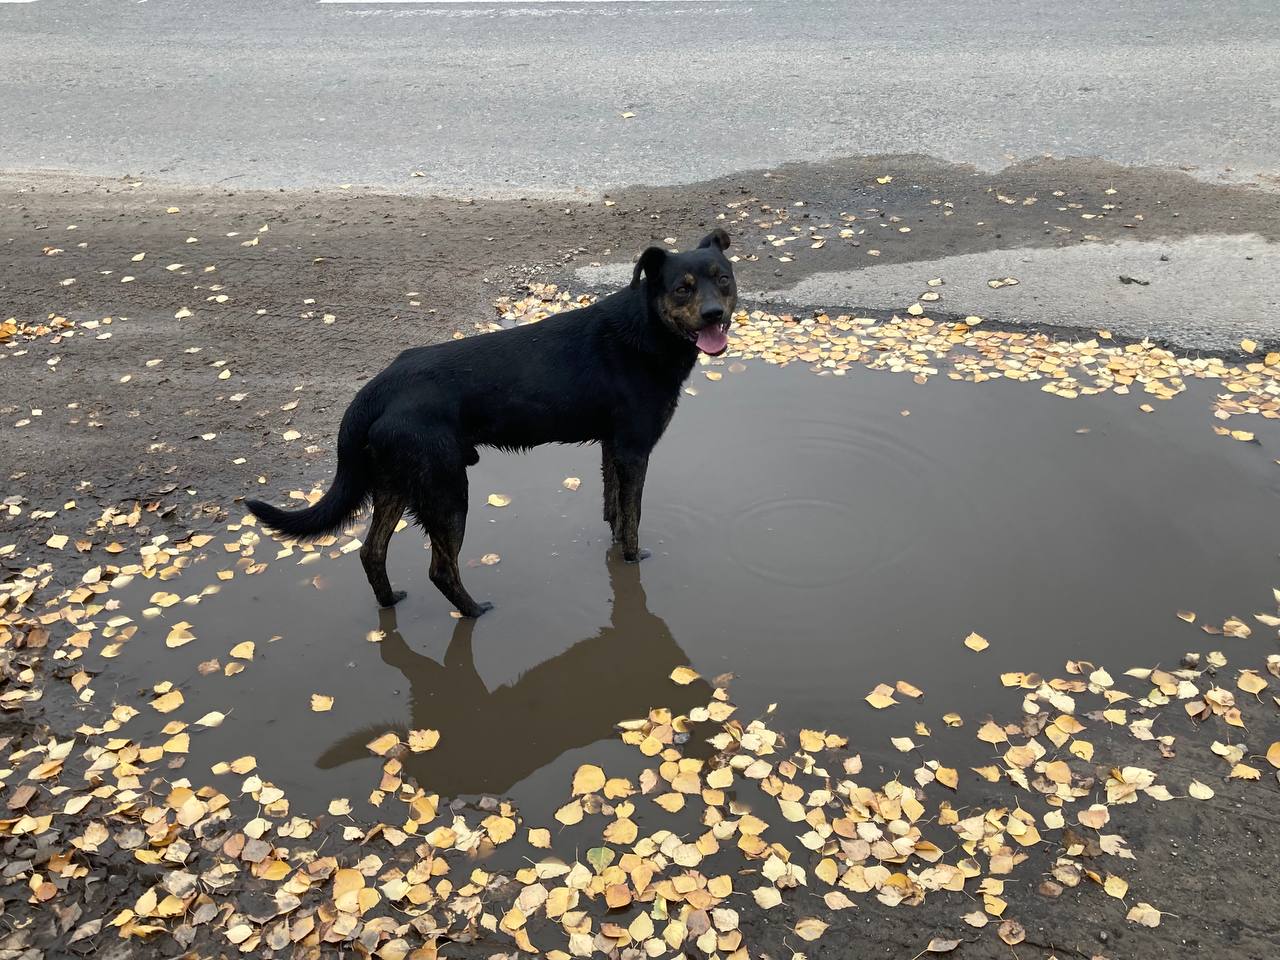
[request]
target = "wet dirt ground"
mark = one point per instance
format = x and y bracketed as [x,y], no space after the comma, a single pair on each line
[814,535]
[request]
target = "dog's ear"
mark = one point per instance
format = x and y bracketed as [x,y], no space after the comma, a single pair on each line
[716,238]
[649,263]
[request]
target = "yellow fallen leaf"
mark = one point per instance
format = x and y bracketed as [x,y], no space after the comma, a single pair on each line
[1116,886]
[1200,791]
[684,675]
[1250,682]
[420,741]
[499,500]
[570,813]
[1145,914]
[766,897]
[976,642]
[179,635]
[346,881]
[321,703]
[1273,755]
[571,483]
[339,807]
[810,928]
[383,744]
[168,702]
[243,650]
[588,779]
[1248,346]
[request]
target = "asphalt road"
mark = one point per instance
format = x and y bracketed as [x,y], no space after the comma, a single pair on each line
[528,96]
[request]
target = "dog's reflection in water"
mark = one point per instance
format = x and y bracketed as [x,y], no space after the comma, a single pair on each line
[493,739]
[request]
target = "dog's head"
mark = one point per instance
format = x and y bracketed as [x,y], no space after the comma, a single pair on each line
[692,293]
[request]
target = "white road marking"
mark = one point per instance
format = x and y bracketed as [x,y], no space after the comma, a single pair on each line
[495,2]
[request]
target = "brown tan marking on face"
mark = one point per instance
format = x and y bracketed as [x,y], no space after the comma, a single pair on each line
[683,314]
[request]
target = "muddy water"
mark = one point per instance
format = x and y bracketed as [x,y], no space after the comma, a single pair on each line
[812,535]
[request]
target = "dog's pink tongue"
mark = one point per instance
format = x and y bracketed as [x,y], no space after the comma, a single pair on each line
[712,340]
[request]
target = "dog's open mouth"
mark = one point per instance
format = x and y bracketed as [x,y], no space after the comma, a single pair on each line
[712,340]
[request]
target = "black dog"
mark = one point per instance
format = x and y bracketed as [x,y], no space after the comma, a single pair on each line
[609,373]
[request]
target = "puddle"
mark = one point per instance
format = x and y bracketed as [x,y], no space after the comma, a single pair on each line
[807,536]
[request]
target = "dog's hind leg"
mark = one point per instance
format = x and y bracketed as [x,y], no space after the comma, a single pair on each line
[388,508]
[609,470]
[442,510]
[447,529]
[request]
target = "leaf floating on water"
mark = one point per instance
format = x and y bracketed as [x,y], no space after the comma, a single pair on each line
[684,675]
[211,719]
[243,650]
[498,500]
[168,702]
[1250,682]
[321,703]
[420,741]
[1188,615]
[179,635]
[570,813]
[571,483]
[976,642]
[384,744]
[881,697]
[1235,627]
[588,779]
[339,807]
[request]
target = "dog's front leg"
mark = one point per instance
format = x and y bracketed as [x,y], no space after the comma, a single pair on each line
[609,470]
[631,470]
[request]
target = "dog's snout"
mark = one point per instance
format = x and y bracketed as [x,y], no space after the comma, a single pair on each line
[713,313]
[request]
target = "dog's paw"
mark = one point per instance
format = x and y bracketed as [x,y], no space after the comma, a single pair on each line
[480,609]
[391,601]
[636,557]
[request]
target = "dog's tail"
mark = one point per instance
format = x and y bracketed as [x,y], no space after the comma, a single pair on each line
[340,502]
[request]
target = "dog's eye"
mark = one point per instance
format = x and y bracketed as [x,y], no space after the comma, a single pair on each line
[682,292]
[724,282]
